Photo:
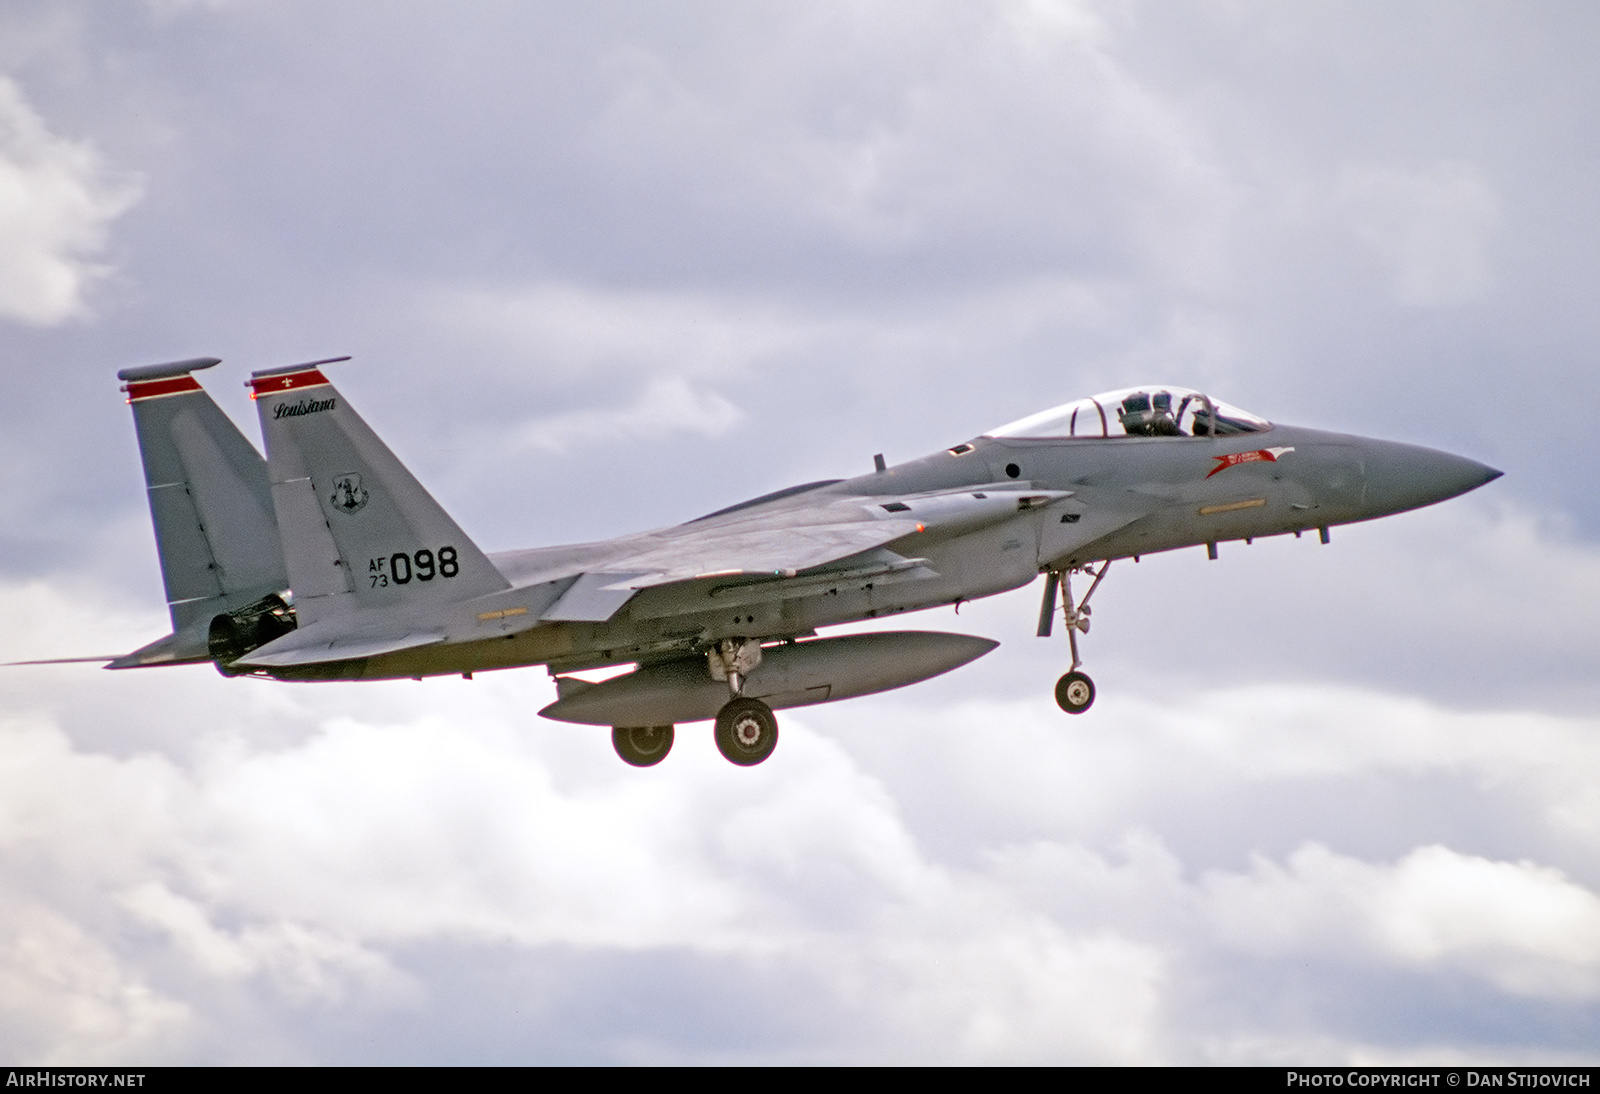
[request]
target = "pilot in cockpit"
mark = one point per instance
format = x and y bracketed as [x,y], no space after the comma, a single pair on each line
[1145,414]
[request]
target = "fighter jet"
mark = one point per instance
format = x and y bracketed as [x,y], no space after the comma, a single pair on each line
[327,560]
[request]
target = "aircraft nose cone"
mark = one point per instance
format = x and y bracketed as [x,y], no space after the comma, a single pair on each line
[1403,476]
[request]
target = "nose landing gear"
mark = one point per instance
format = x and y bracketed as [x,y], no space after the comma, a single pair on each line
[1074,691]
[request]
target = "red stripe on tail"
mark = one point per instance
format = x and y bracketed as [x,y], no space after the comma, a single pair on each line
[149,389]
[287,381]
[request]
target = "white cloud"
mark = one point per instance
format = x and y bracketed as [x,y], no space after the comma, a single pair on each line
[57,201]
[368,837]
[295,873]
[669,405]
[1431,228]
[66,998]
[695,357]
[1524,927]
[167,9]
[997,133]
[306,964]
[298,870]
[570,331]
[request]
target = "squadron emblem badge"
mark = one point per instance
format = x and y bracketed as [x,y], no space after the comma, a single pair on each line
[348,494]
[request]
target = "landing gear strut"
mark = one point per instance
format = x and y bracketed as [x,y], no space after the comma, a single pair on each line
[642,746]
[1074,691]
[747,730]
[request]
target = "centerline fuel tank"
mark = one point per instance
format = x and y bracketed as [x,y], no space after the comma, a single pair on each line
[798,674]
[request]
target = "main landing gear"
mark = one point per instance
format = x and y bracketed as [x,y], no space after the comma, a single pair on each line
[642,746]
[1074,691]
[747,730]
[746,733]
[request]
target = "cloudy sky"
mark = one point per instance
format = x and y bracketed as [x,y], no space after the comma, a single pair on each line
[604,267]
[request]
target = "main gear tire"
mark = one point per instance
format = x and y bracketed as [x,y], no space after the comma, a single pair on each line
[642,746]
[1074,693]
[747,731]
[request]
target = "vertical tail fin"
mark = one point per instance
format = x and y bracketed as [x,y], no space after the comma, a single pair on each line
[358,529]
[210,499]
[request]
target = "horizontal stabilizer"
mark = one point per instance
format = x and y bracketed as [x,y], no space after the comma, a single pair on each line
[287,651]
[61,661]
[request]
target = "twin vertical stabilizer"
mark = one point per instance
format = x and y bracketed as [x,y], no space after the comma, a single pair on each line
[216,531]
[359,531]
[330,519]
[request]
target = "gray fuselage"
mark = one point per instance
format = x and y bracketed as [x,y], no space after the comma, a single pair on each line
[1097,499]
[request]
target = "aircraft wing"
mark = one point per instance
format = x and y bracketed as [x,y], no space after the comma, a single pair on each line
[784,542]
[588,586]
[759,550]
[688,553]
[592,582]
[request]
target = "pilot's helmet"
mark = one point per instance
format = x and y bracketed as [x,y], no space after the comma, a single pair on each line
[1144,414]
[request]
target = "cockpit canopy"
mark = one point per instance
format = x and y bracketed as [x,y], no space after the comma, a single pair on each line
[1150,411]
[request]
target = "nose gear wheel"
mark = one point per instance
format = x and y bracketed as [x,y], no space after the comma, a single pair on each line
[1074,692]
